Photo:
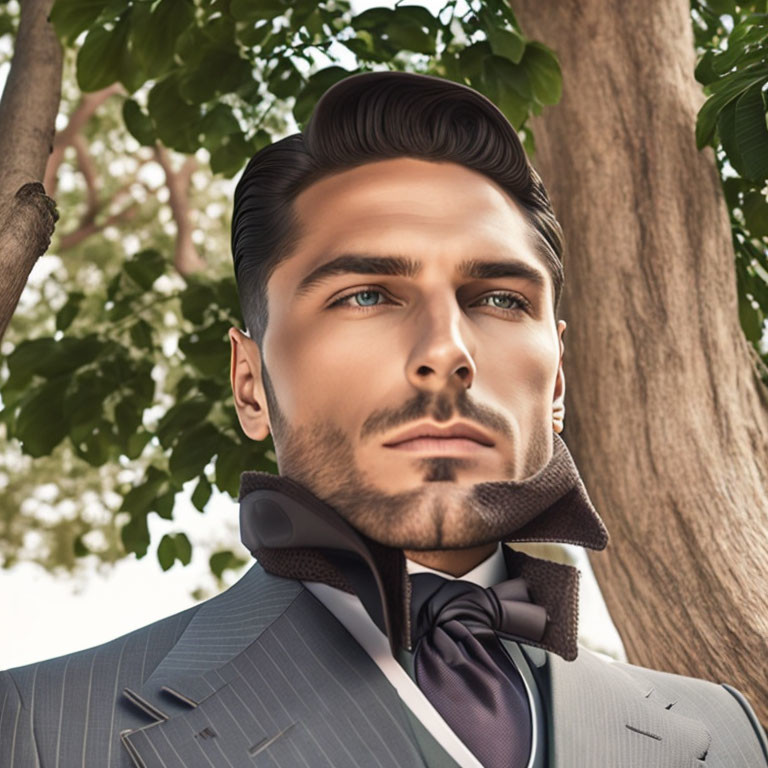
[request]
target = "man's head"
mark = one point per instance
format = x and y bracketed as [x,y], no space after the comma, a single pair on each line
[399,265]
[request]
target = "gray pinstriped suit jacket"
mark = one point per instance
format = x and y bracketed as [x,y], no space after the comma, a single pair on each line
[264,675]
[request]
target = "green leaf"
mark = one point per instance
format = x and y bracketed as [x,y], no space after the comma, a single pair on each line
[41,424]
[95,447]
[128,416]
[750,318]
[71,353]
[372,19]
[138,501]
[138,123]
[100,60]
[154,32]
[135,536]
[166,552]
[726,129]
[183,548]
[285,80]
[231,155]
[755,210]
[216,124]
[721,7]
[229,465]
[224,560]
[208,350]
[68,312]
[181,416]
[220,71]
[193,450]
[544,72]
[141,334]
[136,444]
[471,59]
[724,91]
[202,493]
[407,32]
[317,84]
[174,118]
[752,133]
[145,267]
[502,78]
[248,10]
[505,42]
[71,17]
[30,357]
[704,72]
[163,504]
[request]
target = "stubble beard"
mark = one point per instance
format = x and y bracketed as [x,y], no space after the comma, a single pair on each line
[439,514]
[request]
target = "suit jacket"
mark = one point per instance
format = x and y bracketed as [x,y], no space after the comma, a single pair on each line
[264,675]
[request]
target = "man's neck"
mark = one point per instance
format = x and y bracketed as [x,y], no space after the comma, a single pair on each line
[457,562]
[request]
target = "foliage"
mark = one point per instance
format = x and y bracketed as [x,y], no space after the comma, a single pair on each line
[732,40]
[213,71]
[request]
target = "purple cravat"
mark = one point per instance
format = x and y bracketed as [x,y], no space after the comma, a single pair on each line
[464,671]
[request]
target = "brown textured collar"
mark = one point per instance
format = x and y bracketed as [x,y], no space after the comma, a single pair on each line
[294,534]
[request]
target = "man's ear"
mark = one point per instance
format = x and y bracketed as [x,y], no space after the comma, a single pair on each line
[247,388]
[558,399]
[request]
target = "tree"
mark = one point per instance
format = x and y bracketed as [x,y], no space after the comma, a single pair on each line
[668,415]
[219,79]
[27,116]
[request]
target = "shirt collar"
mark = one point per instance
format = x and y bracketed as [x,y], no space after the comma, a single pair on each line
[490,571]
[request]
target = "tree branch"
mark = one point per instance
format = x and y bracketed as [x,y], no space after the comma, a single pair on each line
[85,164]
[28,110]
[186,258]
[66,137]
[26,226]
[86,229]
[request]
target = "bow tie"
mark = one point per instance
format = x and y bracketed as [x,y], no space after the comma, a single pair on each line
[504,608]
[294,534]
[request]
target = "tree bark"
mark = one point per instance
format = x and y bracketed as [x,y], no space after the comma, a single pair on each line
[666,415]
[28,111]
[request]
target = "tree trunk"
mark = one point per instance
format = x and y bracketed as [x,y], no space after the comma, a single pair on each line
[28,111]
[666,416]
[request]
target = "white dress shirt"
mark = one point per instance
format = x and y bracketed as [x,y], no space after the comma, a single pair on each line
[348,609]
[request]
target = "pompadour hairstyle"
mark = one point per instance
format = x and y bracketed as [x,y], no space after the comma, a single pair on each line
[364,118]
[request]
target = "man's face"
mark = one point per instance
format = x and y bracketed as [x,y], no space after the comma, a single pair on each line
[356,359]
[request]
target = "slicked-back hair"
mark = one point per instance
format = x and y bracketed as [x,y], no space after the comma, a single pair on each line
[369,117]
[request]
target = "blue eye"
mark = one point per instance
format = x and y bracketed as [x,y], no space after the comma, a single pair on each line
[516,300]
[516,303]
[360,292]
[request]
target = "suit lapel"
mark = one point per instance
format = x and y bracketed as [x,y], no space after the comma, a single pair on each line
[267,675]
[600,716]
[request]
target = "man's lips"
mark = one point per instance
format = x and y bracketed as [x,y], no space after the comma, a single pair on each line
[439,445]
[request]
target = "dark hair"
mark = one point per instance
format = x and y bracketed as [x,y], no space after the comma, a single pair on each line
[364,118]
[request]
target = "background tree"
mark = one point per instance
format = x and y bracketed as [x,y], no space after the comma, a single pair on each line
[668,415]
[134,373]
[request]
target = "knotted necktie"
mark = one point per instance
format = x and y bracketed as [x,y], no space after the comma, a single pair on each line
[295,534]
[464,671]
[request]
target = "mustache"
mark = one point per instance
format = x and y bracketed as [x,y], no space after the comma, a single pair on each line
[441,407]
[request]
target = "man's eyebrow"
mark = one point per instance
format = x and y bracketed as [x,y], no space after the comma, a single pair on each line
[403,266]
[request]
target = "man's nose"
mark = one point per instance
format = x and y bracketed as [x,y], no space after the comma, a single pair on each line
[442,354]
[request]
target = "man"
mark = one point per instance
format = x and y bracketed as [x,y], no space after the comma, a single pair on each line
[399,272]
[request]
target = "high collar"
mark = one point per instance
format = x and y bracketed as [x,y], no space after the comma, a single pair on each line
[490,571]
[295,534]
